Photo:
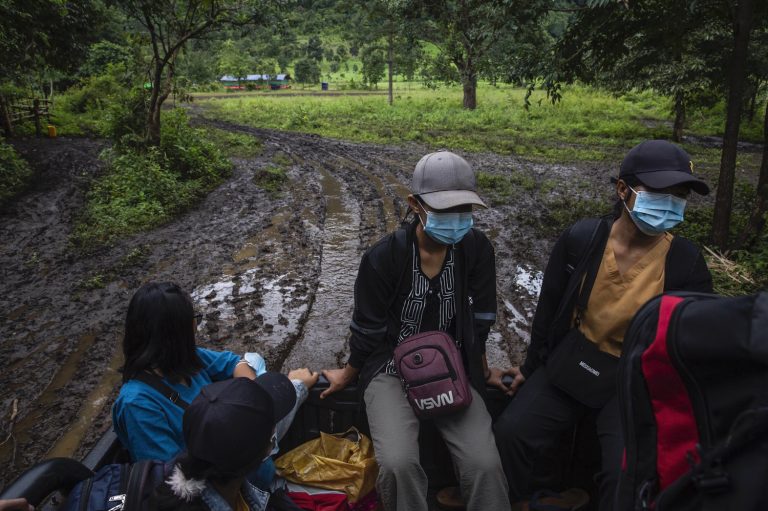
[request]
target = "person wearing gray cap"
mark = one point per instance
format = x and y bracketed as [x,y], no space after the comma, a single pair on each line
[436,272]
[600,272]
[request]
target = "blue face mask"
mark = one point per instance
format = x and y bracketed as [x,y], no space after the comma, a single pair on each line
[447,228]
[655,213]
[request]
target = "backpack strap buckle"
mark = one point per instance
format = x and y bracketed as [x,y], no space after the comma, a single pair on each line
[117,498]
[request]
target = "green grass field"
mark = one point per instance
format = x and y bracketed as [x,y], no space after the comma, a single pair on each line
[586,125]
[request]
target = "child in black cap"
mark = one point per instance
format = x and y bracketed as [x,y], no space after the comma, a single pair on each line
[229,429]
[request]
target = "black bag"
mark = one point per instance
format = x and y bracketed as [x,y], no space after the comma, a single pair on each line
[576,365]
[693,394]
[117,487]
[580,369]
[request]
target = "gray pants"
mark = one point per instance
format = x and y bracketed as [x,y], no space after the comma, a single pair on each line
[402,483]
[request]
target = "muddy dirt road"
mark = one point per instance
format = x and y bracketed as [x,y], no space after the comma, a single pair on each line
[270,273]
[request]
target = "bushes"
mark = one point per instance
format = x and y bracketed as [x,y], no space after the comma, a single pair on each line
[144,188]
[107,105]
[14,173]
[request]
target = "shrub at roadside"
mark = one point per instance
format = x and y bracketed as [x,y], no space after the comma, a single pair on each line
[143,188]
[105,105]
[14,173]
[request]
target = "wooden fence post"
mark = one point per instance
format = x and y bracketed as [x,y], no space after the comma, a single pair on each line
[36,113]
[5,117]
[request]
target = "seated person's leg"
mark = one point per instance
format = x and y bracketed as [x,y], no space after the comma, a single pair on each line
[469,437]
[533,421]
[402,483]
[612,446]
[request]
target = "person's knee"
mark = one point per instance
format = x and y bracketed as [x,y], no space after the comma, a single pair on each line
[481,465]
[394,464]
[511,428]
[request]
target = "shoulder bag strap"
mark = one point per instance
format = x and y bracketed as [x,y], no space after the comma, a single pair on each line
[594,260]
[159,385]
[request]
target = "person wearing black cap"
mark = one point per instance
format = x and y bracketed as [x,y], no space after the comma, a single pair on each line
[627,258]
[165,370]
[435,273]
[229,430]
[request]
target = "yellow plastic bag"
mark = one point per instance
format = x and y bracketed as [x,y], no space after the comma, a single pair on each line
[342,462]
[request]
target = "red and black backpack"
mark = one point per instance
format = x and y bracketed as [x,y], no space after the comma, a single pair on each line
[693,392]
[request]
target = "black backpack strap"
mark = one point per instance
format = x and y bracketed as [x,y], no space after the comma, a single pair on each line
[680,259]
[589,277]
[159,385]
[585,240]
[580,238]
[138,476]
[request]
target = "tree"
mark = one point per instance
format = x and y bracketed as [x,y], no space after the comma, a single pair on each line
[314,49]
[664,45]
[101,54]
[306,71]
[234,61]
[374,65]
[466,30]
[742,22]
[46,34]
[170,24]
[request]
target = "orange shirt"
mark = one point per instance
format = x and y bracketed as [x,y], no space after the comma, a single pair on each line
[615,297]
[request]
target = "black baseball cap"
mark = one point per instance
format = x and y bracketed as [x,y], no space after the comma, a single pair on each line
[661,164]
[230,423]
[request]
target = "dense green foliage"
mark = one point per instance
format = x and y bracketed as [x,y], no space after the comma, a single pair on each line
[14,173]
[143,188]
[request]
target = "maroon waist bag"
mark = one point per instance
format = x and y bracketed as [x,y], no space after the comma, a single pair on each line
[433,376]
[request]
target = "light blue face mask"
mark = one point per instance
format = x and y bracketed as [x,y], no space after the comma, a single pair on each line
[655,213]
[447,228]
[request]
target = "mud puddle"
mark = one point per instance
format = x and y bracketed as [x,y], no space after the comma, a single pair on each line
[325,333]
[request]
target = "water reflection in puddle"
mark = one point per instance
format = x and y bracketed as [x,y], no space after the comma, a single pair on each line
[529,279]
[327,326]
[265,307]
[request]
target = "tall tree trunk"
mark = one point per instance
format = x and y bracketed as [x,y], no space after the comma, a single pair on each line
[153,115]
[677,129]
[390,65]
[756,221]
[469,81]
[724,199]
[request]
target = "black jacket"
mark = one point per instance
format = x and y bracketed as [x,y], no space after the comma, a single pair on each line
[684,270]
[384,281]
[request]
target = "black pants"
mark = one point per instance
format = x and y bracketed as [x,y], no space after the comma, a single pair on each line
[537,417]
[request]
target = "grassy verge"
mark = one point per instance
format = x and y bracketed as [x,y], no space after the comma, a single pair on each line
[14,173]
[145,187]
[235,145]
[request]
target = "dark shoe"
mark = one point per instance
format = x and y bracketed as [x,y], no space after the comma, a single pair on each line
[545,500]
[450,498]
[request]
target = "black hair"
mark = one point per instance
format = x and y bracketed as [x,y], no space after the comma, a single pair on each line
[160,333]
[163,498]
[618,206]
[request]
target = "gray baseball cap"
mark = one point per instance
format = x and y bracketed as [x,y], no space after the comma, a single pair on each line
[445,180]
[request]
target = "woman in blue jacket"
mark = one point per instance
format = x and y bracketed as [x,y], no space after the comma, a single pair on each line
[164,370]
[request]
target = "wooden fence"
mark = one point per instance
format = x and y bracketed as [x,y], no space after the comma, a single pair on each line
[17,110]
